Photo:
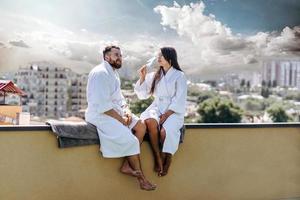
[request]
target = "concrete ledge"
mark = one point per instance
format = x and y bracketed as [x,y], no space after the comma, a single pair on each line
[212,163]
[187,126]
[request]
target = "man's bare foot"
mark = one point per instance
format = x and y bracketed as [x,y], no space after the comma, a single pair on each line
[146,185]
[126,169]
[167,164]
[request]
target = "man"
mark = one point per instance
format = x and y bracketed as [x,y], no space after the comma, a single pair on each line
[106,110]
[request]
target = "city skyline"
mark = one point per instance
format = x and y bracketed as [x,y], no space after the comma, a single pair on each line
[210,36]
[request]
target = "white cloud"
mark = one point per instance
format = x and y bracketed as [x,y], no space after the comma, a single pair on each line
[203,43]
[2,45]
[19,43]
[213,43]
[72,49]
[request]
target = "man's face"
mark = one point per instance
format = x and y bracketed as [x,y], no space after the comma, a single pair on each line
[114,58]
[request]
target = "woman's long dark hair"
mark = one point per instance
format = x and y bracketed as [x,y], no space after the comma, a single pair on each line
[170,55]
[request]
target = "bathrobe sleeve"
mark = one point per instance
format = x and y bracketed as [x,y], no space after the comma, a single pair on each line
[98,92]
[178,101]
[143,90]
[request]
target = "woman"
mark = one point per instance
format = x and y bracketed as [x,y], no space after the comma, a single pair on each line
[165,116]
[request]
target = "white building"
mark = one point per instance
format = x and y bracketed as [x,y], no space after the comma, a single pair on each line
[285,73]
[78,95]
[46,85]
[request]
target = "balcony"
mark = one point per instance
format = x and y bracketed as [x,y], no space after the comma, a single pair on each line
[8,114]
[216,161]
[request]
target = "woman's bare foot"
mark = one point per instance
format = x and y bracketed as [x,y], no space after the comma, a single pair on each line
[158,164]
[167,164]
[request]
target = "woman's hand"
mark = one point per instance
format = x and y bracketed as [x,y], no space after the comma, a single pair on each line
[127,119]
[165,116]
[142,72]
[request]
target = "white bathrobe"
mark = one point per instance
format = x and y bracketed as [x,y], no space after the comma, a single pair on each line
[170,94]
[103,94]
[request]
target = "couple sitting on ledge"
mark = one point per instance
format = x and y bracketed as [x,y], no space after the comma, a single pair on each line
[115,124]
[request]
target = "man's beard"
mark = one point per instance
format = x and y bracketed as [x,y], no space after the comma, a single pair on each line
[115,64]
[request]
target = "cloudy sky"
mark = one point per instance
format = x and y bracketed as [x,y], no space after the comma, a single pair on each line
[210,36]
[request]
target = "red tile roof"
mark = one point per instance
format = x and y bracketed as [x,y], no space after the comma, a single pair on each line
[10,87]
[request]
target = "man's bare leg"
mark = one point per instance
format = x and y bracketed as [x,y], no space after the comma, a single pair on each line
[166,157]
[140,130]
[134,162]
[152,126]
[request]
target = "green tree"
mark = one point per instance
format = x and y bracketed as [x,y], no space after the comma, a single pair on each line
[265,92]
[206,95]
[218,110]
[243,82]
[137,107]
[269,84]
[278,114]
[254,105]
[127,84]
[293,96]
[248,86]
[211,82]
[274,83]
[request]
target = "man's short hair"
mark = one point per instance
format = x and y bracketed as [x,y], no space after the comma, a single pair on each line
[108,49]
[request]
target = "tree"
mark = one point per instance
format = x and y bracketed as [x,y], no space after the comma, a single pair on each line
[218,110]
[206,95]
[248,86]
[139,106]
[278,114]
[254,105]
[243,82]
[211,82]
[274,83]
[269,84]
[265,92]
[127,84]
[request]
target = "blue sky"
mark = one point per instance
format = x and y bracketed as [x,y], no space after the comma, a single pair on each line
[69,31]
[244,16]
[124,17]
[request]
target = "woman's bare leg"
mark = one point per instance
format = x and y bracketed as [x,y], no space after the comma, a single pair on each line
[166,157]
[152,126]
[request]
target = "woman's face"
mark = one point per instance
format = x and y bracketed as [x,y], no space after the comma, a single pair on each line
[162,61]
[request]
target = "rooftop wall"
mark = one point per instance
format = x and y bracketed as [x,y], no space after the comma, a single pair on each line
[214,162]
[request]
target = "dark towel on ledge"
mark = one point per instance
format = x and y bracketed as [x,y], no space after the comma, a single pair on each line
[70,134]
